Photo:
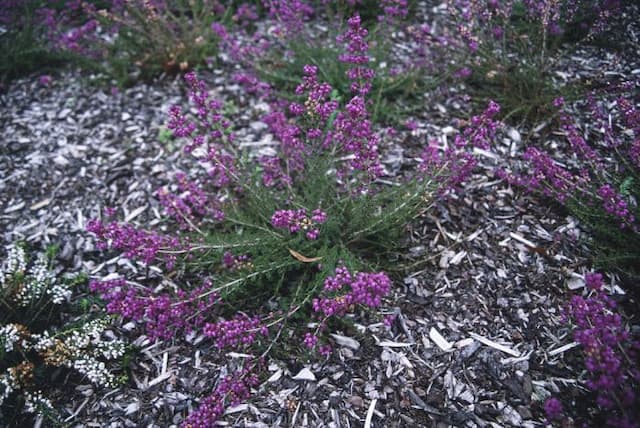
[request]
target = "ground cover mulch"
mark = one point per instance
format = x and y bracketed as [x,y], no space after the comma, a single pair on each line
[478,338]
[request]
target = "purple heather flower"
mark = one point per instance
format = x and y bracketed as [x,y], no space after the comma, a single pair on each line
[241,331]
[296,220]
[45,80]
[310,340]
[553,408]
[231,390]
[363,289]
[463,73]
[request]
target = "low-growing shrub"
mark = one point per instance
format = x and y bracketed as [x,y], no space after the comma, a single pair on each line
[600,183]
[23,47]
[610,354]
[401,77]
[266,241]
[139,38]
[511,48]
[36,337]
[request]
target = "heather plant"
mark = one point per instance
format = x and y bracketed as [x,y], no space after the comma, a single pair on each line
[23,48]
[264,242]
[140,38]
[600,184]
[399,78]
[36,337]
[610,354]
[511,48]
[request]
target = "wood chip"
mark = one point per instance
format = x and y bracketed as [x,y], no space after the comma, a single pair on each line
[305,374]
[439,340]
[494,345]
[369,417]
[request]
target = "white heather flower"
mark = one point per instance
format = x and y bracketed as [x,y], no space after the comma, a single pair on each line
[16,261]
[36,403]
[9,335]
[7,386]
[42,341]
[110,350]
[40,278]
[60,293]
[96,371]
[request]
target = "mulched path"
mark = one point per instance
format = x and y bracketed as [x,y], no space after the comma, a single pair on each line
[478,339]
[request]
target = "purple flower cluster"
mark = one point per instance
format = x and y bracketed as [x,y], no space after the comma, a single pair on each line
[353,131]
[317,105]
[135,244]
[73,28]
[610,353]
[348,289]
[252,85]
[631,117]
[545,175]
[615,206]
[357,54]
[240,331]
[458,159]
[231,390]
[553,408]
[235,263]
[394,10]
[482,130]
[241,47]
[586,179]
[298,220]
[164,316]
[291,14]
[246,14]
[211,131]
[277,170]
[190,204]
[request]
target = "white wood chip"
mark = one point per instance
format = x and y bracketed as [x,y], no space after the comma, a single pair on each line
[165,362]
[238,355]
[463,343]
[522,240]
[372,407]
[439,340]
[275,377]
[132,408]
[135,213]
[474,235]
[391,344]
[15,207]
[40,204]
[563,348]
[305,374]
[458,258]
[159,379]
[237,409]
[346,341]
[575,282]
[494,345]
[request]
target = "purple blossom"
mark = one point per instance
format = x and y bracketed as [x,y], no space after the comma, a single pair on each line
[291,14]
[458,159]
[610,353]
[615,205]
[240,331]
[553,408]
[297,220]
[191,204]
[45,80]
[361,288]
[165,316]
[134,243]
[232,390]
